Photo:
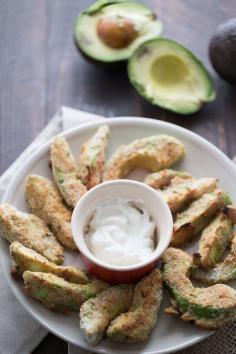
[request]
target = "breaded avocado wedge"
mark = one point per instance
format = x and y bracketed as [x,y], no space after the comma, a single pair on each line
[179,195]
[191,221]
[92,157]
[57,294]
[64,172]
[27,259]
[221,272]
[170,76]
[31,231]
[45,201]
[153,153]
[97,313]
[163,178]
[209,307]
[213,241]
[136,324]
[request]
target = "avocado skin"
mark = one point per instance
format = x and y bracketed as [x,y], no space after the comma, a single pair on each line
[222,50]
[99,4]
[113,65]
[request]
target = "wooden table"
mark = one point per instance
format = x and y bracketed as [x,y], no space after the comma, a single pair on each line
[40,70]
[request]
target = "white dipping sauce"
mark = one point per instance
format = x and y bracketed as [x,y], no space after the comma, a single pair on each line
[121,232]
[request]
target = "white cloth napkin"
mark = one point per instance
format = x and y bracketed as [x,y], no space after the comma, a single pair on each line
[19,332]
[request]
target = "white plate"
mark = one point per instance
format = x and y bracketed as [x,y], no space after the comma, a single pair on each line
[202,159]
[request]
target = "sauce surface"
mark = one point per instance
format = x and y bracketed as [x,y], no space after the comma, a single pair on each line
[121,232]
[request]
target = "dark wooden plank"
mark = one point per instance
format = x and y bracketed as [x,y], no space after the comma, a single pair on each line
[40,70]
[52,345]
[22,75]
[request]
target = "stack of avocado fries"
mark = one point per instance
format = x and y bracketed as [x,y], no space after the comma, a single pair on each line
[199,208]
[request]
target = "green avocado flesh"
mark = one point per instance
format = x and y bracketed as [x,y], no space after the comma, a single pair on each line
[142,19]
[170,76]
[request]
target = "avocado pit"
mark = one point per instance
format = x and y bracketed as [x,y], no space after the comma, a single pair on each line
[116,32]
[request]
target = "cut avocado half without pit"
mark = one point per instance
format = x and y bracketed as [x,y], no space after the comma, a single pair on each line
[110,30]
[170,76]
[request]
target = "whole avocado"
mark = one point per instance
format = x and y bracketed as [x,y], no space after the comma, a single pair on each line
[222,50]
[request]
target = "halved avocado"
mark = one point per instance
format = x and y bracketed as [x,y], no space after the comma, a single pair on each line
[110,30]
[169,75]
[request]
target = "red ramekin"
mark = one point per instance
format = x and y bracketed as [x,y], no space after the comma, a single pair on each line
[133,190]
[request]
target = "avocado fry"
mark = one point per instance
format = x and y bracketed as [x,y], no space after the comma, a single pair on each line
[31,231]
[178,180]
[153,153]
[57,294]
[179,195]
[92,157]
[221,272]
[213,241]
[45,201]
[27,259]
[137,324]
[97,313]
[191,221]
[209,307]
[163,178]
[64,171]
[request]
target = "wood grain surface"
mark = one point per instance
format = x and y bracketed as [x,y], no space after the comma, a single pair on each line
[40,70]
